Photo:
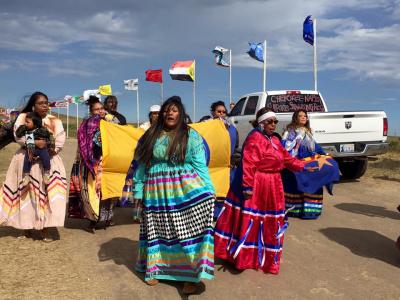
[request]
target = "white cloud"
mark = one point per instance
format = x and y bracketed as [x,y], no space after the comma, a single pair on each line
[125,30]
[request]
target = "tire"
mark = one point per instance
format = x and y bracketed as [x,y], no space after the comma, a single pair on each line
[353,169]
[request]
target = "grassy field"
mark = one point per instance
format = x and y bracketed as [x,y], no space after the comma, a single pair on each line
[72,124]
[387,166]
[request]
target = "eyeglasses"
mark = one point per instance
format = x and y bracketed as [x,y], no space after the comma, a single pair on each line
[269,122]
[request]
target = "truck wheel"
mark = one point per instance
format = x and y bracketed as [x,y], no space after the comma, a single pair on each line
[353,169]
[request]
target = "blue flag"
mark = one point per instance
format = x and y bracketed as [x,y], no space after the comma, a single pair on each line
[326,174]
[308,31]
[256,51]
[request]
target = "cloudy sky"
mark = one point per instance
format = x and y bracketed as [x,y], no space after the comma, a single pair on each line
[65,47]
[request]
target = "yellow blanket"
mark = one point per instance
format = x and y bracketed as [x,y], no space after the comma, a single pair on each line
[119,143]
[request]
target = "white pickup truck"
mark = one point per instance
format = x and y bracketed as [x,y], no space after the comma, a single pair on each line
[349,136]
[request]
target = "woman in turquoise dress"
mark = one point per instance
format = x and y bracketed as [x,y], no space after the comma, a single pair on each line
[172,180]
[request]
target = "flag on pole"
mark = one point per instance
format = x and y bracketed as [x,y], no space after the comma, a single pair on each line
[88,93]
[60,104]
[131,84]
[219,56]
[76,99]
[183,70]
[256,51]
[67,98]
[154,75]
[308,31]
[105,90]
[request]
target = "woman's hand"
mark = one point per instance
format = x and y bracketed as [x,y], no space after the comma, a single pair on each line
[311,169]
[40,144]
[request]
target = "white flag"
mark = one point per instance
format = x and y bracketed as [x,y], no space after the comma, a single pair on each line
[88,93]
[131,84]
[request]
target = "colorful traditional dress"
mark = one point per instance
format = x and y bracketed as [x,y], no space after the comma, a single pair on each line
[301,144]
[85,199]
[35,206]
[176,234]
[249,233]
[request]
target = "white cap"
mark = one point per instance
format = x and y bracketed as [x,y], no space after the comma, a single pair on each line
[155,108]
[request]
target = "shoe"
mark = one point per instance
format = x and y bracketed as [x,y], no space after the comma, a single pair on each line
[110,223]
[48,240]
[45,236]
[152,282]
[46,178]
[92,227]
[26,179]
[189,288]
[25,234]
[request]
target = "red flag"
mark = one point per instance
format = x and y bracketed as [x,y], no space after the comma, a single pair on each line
[154,75]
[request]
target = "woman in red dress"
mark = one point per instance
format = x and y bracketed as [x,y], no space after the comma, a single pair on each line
[250,228]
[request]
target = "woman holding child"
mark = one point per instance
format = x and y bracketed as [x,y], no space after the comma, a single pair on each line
[38,201]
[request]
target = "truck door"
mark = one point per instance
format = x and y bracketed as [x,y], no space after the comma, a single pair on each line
[243,120]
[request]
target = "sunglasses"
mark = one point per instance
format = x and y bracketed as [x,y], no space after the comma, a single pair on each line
[269,122]
[221,111]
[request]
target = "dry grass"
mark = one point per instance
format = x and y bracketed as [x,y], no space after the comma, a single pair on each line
[386,166]
[6,154]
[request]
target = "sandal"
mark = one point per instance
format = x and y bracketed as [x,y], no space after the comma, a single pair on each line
[152,282]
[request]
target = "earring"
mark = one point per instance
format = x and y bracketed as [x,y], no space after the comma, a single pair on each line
[33,108]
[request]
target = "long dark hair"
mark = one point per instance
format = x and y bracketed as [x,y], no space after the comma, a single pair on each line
[32,100]
[178,141]
[294,124]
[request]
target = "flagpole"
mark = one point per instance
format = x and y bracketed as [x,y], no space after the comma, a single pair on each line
[194,92]
[265,66]
[77,113]
[137,106]
[162,93]
[67,120]
[315,53]
[230,76]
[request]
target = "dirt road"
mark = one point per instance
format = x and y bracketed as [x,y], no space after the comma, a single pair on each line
[348,253]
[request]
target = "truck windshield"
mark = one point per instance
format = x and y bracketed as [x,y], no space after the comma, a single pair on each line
[291,102]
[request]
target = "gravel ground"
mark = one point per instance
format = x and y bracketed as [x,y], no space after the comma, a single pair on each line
[348,253]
